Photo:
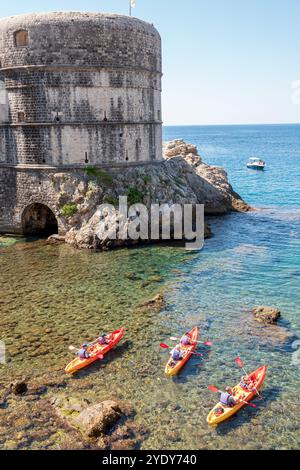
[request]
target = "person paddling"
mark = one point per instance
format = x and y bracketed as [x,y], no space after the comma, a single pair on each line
[83,352]
[176,353]
[104,339]
[185,340]
[227,399]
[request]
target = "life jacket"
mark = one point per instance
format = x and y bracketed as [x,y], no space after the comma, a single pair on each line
[224,398]
[185,340]
[244,386]
[219,411]
[102,340]
[176,354]
[82,354]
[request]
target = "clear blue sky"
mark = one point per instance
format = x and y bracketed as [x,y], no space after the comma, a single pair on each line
[224,61]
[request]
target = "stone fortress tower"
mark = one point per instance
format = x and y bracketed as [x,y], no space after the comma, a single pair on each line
[76,89]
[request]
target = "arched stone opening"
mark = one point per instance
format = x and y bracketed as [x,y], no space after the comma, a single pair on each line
[38,219]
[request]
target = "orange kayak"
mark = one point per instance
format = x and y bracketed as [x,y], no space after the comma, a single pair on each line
[173,367]
[95,349]
[220,412]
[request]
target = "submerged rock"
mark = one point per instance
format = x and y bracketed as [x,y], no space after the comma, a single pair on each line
[19,388]
[267,315]
[126,444]
[98,419]
[157,302]
[111,422]
[56,239]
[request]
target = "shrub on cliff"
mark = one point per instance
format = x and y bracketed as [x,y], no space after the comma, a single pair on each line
[68,210]
[134,196]
[98,174]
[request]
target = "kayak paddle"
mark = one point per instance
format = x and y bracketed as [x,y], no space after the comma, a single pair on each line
[216,390]
[165,346]
[241,365]
[206,343]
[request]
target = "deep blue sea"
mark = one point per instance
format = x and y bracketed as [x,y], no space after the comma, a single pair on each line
[231,147]
[253,259]
[265,244]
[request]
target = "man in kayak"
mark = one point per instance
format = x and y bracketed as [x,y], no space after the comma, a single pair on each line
[83,352]
[176,353]
[185,340]
[227,399]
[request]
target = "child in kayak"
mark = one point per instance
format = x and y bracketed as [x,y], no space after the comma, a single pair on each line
[83,352]
[176,353]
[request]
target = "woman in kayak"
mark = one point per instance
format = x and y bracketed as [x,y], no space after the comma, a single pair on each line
[227,399]
[176,353]
[83,352]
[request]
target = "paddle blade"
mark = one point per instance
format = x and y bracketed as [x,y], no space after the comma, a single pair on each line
[239,362]
[253,406]
[173,338]
[164,346]
[72,348]
[213,389]
[208,343]
[100,356]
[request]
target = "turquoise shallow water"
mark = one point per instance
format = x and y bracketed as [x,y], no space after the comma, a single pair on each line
[65,296]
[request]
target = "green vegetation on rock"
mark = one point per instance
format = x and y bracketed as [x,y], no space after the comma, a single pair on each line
[100,175]
[147,179]
[134,196]
[68,210]
[111,200]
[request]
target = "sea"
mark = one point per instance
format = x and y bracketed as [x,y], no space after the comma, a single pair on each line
[54,296]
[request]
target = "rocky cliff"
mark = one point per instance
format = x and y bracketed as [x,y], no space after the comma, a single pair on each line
[181,178]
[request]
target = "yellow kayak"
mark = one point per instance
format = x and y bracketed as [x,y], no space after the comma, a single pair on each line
[221,412]
[95,350]
[173,367]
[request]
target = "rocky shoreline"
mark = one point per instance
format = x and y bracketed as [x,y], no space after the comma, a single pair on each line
[48,414]
[181,178]
[46,408]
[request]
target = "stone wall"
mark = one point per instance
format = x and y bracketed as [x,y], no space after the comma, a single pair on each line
[19,189]
[76,89]
[85,87]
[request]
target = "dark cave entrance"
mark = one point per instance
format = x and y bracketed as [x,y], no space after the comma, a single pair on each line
[39,220]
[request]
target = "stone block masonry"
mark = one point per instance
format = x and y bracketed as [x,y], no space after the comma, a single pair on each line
[75,89]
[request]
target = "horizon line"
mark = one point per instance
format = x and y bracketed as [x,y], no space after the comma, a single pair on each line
[236,124]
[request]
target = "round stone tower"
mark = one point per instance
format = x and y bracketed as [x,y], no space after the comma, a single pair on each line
[76,89]
[79,88]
